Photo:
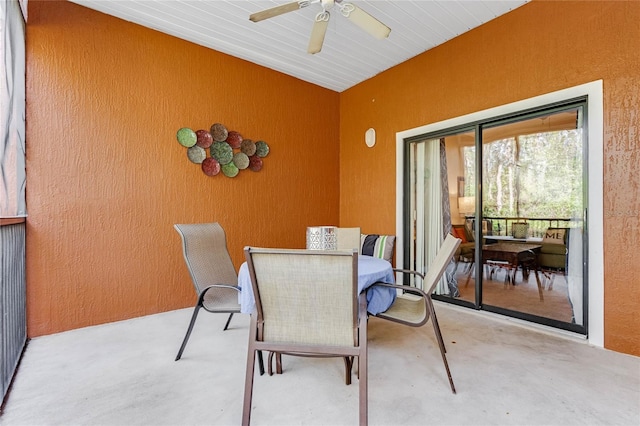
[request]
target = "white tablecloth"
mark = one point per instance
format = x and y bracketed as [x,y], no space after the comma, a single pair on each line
[370,270]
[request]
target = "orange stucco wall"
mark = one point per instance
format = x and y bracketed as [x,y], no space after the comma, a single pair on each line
[538,48]
[107,178]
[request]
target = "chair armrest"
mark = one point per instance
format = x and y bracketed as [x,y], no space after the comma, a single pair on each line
[405,310]
[409,272]
[404,288]
[229,286]
[206,289]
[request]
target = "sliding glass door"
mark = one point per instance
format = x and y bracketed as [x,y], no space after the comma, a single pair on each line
[513,189]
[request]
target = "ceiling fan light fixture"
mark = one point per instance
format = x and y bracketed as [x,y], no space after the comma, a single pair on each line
[319,30]
[327,4]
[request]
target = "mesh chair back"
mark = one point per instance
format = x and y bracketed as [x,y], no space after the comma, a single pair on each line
[348,238]
[439,264]
[305,296]
[204,246]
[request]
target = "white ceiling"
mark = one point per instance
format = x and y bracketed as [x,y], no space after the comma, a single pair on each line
[349,55]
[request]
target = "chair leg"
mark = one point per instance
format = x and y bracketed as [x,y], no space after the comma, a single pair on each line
[278,356]
[248,386]
[228,321]
[551,278]
[191,324]
[540,292]
[436,329]
[348,364]
[270,363]
[363,389]
[260,363]
[471,269]
[434,319]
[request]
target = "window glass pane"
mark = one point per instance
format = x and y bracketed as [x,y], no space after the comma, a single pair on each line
[527,171]
[532,201]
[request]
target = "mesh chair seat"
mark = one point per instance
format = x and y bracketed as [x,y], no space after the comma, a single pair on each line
[407,308]
[223,300]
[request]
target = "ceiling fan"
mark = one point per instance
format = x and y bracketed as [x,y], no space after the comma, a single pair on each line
[348,10]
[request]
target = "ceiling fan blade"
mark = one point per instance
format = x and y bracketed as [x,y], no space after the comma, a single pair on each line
[365,21]
[278,10]
[317,33]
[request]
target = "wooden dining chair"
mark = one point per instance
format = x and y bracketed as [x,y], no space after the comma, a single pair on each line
[307,304]
[416,311]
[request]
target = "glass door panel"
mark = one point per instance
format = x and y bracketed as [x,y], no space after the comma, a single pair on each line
[513,190]
[532,202]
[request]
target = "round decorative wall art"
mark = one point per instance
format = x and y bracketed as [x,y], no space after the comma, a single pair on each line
[187,137]
[220,150]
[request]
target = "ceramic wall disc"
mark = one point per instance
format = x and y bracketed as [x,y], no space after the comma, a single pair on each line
[210,166]
[230,170]
[255,163]
[262,149]
[241,160]
[204,138]
[219,132]
[196,154]
[234,139]
[248,147]
[186,137]
[222,152]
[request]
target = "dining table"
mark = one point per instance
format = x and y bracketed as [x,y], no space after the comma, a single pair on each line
[370,271]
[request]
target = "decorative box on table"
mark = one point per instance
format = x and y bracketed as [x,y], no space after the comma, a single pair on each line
[321,238]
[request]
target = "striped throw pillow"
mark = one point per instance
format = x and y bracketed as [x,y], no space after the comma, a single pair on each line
[380,246]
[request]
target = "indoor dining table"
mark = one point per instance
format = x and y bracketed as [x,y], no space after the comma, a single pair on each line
[370,270]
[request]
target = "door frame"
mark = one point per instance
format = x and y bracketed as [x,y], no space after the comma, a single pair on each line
[595,154]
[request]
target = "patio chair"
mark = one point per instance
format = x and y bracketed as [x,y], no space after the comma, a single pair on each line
[348,238]
[214,277]
[553,255]
[414,306]
[307,304]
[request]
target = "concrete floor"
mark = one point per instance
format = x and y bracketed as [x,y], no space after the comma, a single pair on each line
[506,374]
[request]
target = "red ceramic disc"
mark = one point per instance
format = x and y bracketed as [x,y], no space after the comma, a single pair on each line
[234,139]
[210,166]
[255,163]
[204,139]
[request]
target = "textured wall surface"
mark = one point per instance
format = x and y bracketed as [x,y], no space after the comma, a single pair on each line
[538,48]
[107,178]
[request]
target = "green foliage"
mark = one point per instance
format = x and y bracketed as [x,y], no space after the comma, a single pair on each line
[534,176]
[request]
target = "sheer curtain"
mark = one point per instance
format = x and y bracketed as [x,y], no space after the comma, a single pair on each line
[430,202]
[12,110]
[428,195]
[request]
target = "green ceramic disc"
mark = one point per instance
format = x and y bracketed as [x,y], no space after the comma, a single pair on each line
[222,152]
[230,170]
[187,137]
[262,149]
